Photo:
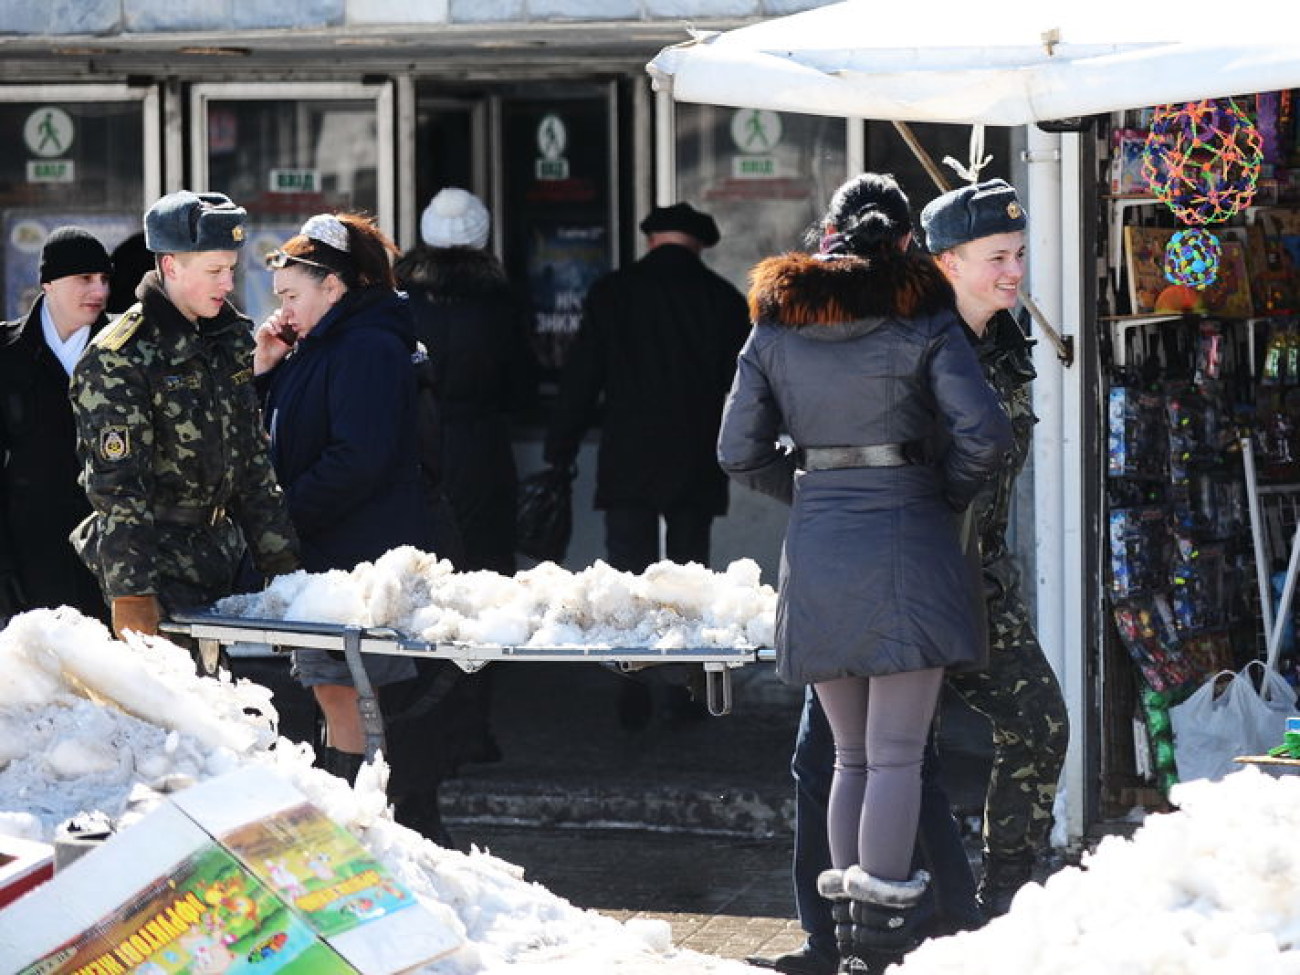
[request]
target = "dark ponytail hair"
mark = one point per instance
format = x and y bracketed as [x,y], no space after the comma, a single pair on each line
[367,262]
[867,217]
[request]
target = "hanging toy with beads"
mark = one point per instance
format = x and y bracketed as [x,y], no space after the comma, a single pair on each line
[1192,258]
[1203,159]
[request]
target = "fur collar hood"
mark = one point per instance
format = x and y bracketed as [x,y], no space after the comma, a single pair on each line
[452,272]
[796,290]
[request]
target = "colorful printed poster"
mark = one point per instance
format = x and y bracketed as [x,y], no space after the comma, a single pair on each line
[319,868]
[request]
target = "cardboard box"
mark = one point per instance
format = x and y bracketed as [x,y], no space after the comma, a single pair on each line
[239,869]
[24,864]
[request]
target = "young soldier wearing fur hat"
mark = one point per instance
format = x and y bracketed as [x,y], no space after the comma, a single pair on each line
[174,458]
[976,235]
[40,499]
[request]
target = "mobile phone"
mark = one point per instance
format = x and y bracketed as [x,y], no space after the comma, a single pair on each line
[285,333]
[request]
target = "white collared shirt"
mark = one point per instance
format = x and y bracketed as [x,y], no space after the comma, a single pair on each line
[66,352]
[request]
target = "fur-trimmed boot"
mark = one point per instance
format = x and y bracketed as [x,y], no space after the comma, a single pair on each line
[830,884]
[886,922]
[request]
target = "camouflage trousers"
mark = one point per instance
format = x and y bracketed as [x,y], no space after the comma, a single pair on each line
[1021,697]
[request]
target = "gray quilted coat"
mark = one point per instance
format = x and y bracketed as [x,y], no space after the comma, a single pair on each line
[845,353]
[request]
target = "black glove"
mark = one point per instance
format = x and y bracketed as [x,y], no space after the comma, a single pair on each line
[12,598]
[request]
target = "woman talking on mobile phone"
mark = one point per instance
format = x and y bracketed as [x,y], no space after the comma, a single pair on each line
[334,366]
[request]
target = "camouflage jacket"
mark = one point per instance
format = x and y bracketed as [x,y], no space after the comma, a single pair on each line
[167,425]
[1004,354]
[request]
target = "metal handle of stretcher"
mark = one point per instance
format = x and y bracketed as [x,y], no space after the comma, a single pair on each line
[212,631]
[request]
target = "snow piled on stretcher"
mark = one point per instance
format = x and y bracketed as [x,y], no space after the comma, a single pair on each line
[422,598]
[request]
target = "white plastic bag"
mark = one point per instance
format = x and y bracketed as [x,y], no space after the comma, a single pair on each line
[1210,732]
[1277,702]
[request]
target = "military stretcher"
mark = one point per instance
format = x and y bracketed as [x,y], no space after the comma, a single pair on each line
[213,634]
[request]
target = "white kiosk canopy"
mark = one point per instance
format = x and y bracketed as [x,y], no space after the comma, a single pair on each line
[1013,63]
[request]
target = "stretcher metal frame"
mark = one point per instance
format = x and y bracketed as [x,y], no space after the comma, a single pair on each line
[212,632]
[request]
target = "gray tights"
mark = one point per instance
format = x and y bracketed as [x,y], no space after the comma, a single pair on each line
[876,790]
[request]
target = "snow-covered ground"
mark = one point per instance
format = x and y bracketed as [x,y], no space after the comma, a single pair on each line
[1213,888]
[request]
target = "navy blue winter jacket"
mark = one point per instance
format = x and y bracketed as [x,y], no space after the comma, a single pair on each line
[341,411]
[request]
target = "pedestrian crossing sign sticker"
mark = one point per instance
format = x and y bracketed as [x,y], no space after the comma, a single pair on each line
[49,131]
[115,443]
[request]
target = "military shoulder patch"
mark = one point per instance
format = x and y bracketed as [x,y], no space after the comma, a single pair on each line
[114,443]
[120,332]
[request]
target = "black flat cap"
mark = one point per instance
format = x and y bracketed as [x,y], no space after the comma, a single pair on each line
[685,219]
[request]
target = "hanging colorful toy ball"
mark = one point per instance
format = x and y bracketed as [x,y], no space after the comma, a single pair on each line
[1192,258]
[1202,160]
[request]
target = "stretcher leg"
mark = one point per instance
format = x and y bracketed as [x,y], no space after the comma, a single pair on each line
[372,719]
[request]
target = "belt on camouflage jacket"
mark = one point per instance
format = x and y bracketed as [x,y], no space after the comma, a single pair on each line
[836,458]
[192,516]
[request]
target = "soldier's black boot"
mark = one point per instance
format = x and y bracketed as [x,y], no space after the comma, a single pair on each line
[886,920]
[345,765]
[1003,876]
[420,811]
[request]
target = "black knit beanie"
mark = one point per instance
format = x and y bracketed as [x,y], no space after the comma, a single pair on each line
[71,250]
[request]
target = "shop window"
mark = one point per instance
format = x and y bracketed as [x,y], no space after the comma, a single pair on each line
[69,162]
[557,208]
[765,177]
[307,151]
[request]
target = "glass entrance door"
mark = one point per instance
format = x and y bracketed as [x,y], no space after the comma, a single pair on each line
[288,152]
[559,199]
[76,154]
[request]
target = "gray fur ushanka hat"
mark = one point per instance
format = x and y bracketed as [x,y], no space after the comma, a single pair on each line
[185,222]
[970,213]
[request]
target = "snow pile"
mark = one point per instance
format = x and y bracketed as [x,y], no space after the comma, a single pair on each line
[1208,890]
[414,593]
[91,729]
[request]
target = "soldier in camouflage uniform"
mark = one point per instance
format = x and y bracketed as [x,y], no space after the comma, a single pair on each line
[174,458]
[977,236]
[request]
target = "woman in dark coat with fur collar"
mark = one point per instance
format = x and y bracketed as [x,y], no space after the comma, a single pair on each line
[857,353]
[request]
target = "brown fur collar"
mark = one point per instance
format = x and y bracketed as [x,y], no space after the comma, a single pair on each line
[798,289]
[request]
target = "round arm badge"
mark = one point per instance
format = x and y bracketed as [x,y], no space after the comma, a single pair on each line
[114,443]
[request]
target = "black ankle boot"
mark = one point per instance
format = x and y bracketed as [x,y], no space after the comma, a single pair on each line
[1003,877]
[886,920]
[345,765]
[420,811]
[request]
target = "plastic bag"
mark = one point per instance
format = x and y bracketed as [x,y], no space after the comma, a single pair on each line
[1211,731]
[545,514]
[1278,702]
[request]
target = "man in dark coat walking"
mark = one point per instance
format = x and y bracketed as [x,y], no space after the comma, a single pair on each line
[658,342]
[40,499]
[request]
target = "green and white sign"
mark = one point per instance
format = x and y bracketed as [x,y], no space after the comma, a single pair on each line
[51,171]
[295,181]
[49,131]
